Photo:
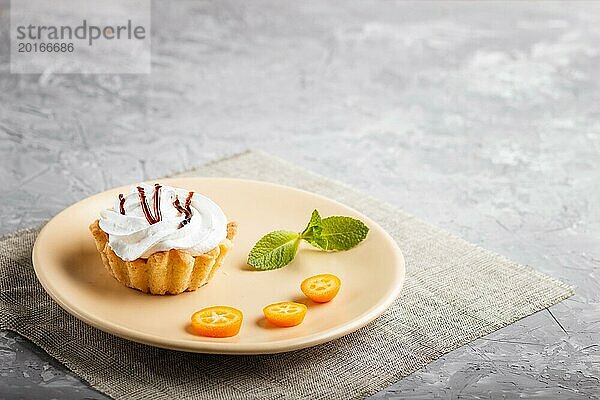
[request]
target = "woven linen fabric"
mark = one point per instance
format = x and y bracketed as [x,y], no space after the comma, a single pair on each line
[454,293]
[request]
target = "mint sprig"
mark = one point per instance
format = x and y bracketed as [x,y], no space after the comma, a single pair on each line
[336,233]
[275,250]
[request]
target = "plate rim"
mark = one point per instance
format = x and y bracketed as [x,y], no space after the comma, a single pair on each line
[232,348]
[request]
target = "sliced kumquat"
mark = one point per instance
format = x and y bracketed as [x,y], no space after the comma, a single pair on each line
[285,314]
[217,321]
[321,288]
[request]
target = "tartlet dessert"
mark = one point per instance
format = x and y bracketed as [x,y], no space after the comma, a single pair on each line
[163,240]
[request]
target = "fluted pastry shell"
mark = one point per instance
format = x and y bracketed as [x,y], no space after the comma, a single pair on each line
[166,272]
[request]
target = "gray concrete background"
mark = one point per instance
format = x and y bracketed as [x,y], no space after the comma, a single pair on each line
[482,118]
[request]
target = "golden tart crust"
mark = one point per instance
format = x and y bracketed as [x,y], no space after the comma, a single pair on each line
[166,272]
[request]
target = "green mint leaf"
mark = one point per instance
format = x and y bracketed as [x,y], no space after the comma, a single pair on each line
[274,250]
[313,228]
[339,233]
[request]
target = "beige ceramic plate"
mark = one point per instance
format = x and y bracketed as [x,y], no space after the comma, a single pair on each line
[69,267]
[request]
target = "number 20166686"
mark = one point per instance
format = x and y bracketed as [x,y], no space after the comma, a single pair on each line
[45,47]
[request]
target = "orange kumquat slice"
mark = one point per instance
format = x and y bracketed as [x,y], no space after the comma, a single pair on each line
[217,321]
[285,314]
[321,288]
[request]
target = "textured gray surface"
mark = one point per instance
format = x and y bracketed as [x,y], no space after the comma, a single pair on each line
[480,118]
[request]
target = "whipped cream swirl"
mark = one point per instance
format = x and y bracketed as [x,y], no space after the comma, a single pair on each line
[157,218]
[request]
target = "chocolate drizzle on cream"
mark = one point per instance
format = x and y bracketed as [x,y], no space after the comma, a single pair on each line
[157,213]
[121,204]
[186,209]
[152,219]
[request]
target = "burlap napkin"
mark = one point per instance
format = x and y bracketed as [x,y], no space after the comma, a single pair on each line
[454,293]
